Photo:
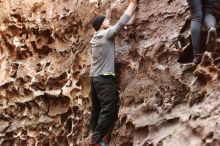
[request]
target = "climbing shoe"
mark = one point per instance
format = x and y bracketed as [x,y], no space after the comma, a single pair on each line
[211,39]
[101,143]
[197,59]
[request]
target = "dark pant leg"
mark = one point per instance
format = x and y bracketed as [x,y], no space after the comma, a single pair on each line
[209,18]
[196,24]
[105,87]
[95,106]
[108,135]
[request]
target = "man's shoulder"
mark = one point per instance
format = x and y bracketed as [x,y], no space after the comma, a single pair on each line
[100,34]
[103,32]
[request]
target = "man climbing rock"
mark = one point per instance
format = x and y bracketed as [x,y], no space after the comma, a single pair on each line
[198,8]
[102,74]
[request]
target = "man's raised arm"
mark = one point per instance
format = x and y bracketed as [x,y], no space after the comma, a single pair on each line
[112,31]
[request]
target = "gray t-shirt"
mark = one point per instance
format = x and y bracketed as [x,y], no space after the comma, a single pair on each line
[103,48]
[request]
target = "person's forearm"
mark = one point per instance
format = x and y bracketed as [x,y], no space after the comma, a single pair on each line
[112,31]
[130,9]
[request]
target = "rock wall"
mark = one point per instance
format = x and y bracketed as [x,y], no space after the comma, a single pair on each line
[44,79]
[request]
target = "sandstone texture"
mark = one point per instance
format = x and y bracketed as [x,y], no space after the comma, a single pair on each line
[164,100]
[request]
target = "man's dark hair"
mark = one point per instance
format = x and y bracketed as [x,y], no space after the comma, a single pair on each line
[97,22]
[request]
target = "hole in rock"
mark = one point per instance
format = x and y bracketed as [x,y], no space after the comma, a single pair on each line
[187,55]
[69,125]
[217,63]
[206,63]
[44,51]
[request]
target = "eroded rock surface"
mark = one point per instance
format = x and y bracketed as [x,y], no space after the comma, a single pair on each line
[44,79]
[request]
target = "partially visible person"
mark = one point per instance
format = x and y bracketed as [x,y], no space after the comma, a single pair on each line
[202,10]
[102,75]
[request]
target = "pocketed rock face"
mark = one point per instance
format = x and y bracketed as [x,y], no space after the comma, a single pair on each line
[165,100]
[44,79]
